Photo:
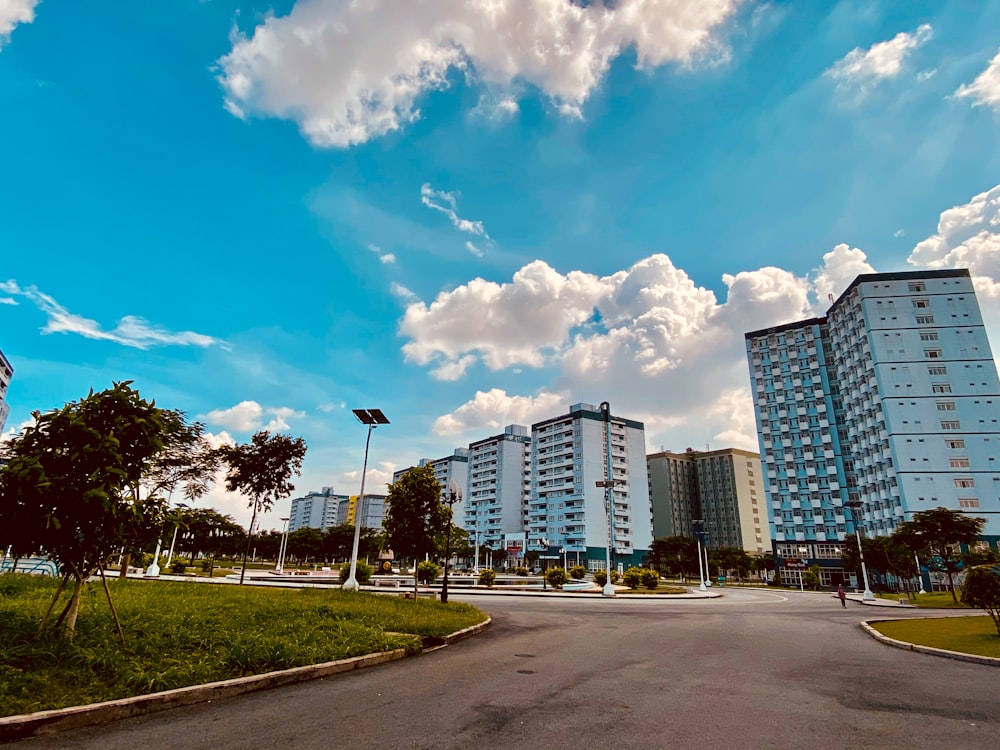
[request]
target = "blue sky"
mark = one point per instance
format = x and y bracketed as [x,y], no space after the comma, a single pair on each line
[470,214]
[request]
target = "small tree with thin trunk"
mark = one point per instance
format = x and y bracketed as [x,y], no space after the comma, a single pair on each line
[262,470]
[414,515]
[938,532]
[70,487]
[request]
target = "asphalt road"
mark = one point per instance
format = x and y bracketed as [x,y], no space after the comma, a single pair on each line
[754,669]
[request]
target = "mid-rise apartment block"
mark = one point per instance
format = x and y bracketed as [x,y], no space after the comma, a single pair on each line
[891,400]
[723,488]
[567,510]
[326,509]
[499,485]
[6,373]
[452,473]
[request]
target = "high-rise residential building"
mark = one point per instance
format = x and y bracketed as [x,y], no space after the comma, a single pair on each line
[315,510]
[6,373]
[325,509]
[723,488]
[891,400]
[567,510]
[452,472]
[499,485]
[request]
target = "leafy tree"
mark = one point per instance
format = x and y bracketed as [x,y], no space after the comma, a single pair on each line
[675,555]
[938,532]
[982,589]
[531,557]
[262,470]
[810,577]
[206,530]
[305,543]
[414,515]
[70,486]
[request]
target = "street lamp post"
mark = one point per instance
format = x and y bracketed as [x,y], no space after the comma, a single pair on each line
[283,546]
[373,418]
[699,526]
[868,596]
[453,497]
[609,496]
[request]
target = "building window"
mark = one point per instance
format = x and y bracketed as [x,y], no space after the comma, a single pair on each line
[932,353]
[965,482]
[968,502]
[937,370]
[950,424]
[940,388]
[946,406]
[928,336]
[921,303]
[955,443]
[917,286]
[925,319]
[958,463]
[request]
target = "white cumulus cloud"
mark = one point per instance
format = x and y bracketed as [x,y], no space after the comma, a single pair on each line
[968,236]
[861,69]
[648,339]
[248,416]
[985,89]
[12,13]
[495,409]
[350,72]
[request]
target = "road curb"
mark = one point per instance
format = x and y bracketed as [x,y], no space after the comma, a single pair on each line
[941,652]
[47,722]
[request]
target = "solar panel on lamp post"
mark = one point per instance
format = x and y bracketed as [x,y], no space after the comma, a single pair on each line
[373,418]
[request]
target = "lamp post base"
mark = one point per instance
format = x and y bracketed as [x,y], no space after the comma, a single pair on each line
[609,589]
[351,584]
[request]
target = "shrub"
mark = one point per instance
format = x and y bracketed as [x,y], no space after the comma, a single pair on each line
[556,577]
[177,568]
[487,578]
[427,572]
[614,576]
[520,571]
[982,589]
[632,577]
[363,572]
[600,577]
[207,564]
[577,572]
[650,578]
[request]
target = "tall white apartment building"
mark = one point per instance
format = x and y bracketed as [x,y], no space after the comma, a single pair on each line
[891,400]
[452,472]
[724,488]
[499,485]
[315,510]
[566,508]
[6,373]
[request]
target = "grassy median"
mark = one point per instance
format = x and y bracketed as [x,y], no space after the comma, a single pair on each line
[188,633]
[968,635]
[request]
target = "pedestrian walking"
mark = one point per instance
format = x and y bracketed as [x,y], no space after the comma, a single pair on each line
[842,595]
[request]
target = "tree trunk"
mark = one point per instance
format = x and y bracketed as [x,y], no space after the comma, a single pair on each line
[951,587]
[126,560]
[52,604]
[246,550]
[114,612]
[74,607]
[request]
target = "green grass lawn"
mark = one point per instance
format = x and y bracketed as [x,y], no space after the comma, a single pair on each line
[969,635]
[188,633]
[932,600]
